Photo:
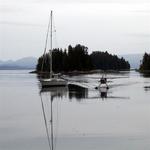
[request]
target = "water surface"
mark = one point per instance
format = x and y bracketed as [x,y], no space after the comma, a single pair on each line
[82,119]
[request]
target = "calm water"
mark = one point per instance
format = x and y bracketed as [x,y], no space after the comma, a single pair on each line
[82,119]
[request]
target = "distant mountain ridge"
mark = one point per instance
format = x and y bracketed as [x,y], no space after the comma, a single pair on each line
[31,62]
[133,59]
[23,63]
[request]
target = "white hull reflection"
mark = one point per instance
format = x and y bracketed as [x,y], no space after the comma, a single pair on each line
[55,91]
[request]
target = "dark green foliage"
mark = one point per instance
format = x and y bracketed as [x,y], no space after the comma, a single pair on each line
[106,61]
[145,62]
[43,64]
[77,58]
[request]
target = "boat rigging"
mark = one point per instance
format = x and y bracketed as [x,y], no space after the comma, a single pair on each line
[54,79]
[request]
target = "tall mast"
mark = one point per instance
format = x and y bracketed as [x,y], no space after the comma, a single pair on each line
[51,46]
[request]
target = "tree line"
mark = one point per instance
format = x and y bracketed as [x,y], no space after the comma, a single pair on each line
[77,58]
[145,64]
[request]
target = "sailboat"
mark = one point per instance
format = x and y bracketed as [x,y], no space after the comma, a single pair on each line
[54,80]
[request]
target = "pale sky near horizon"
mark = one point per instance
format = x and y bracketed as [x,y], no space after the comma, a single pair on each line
[118,26]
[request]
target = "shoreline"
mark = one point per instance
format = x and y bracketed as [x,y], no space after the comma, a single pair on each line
[76,72]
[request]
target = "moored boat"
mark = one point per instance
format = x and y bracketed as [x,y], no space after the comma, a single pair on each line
[53,80]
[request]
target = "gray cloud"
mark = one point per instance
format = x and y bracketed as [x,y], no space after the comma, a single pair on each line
[9,8]
[97,1]
[140,35]
[91,1]
[20,24]
[78,1]
[142,11]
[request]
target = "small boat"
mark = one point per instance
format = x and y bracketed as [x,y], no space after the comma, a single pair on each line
[103,87]
[103,91]
[54,80]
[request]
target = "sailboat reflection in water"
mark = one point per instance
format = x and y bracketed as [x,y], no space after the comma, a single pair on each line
[47,96]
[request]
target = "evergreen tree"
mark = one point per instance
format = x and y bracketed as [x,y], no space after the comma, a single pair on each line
[145,62]
[106,61]
[77,58]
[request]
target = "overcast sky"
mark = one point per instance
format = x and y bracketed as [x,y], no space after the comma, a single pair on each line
[118,26]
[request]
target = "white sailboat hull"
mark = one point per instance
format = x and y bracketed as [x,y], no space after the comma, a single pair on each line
[53,82]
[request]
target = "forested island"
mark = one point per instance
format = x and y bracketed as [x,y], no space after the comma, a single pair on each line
[145,64]
[77,58]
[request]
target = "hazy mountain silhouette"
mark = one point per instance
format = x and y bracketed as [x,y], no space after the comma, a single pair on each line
[23,63]
[30,62]
[133,59]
